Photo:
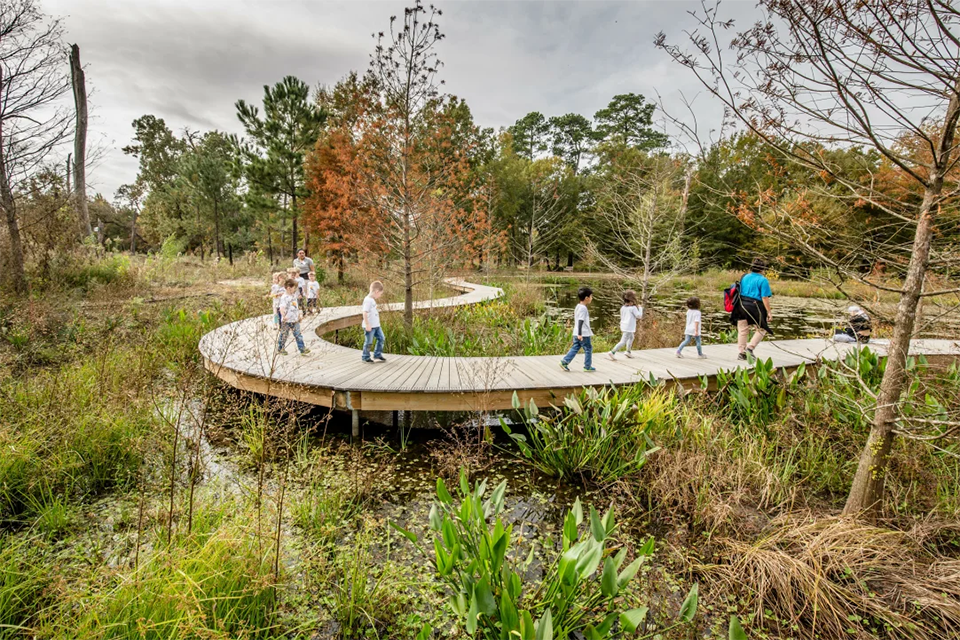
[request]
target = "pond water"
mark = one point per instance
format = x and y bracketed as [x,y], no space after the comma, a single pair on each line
[793,317]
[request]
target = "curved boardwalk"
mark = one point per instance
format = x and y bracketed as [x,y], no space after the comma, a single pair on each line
[244,355]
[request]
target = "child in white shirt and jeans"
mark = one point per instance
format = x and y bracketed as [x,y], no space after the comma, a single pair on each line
[372,333]
[694,325]
[581,332]
[630,312]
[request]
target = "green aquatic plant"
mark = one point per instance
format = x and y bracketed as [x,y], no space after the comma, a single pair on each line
[578,596]
[755,397]
[598,435]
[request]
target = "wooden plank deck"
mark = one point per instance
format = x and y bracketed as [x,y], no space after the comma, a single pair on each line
[243,354]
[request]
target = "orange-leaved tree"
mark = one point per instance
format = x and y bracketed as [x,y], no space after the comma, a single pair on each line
[411,163]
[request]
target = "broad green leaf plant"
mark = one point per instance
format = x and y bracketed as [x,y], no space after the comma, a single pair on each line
[577,595]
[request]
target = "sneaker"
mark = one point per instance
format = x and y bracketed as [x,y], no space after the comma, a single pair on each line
[628,354]
[368,360]
[305,352]
[612,356]
[702,356]
[281,352]
[380,359]
[742,356]
[679,355]
[564,366]
[589,369]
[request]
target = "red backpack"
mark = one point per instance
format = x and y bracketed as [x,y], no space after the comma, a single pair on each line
[731,297]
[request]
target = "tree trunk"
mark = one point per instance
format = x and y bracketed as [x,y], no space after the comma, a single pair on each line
[7,203]
[293,214]
[685,198]
[133,231]
[866,492]
[17,277]
[80,140]
[407,274]
[216,227]
[69,169]
[340,268]
[570,259]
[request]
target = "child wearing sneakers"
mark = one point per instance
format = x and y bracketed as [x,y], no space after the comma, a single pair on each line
[630,312]
[290,318]
[692,331]
[581,332]
[313,293]
[371,324]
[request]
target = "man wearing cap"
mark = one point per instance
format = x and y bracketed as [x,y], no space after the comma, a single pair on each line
[857,327]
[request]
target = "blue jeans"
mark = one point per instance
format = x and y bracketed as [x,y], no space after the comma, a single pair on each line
[686,340]
[587,345]
[368,337]
[285,328]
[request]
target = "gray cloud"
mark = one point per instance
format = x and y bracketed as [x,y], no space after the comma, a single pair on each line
[189,61]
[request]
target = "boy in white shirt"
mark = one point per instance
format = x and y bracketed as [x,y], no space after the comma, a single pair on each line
[313,293]
[692,331]
[630,312]
[371,324]
[581,332]
[290,318]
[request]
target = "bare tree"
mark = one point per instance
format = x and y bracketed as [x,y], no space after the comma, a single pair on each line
[644,211]
[79,83]
[32,120]
[818,75]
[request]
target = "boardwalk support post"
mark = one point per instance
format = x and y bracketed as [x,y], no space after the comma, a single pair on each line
[355,424]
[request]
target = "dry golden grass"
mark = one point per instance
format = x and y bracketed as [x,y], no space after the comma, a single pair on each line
[833,577]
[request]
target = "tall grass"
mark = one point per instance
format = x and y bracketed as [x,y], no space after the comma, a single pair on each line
[24,586]
[211,583]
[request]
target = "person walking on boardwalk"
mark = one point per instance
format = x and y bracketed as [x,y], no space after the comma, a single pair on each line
[630,313]
[694,327]
[581,332]
[371,324]
[290,318]
[752,309]
[303,264]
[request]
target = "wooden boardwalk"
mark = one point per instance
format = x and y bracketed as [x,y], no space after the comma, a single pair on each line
[244,355]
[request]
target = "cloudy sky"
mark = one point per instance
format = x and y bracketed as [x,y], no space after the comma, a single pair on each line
[188,61]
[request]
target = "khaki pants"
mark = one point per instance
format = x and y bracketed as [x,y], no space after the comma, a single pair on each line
[743,332]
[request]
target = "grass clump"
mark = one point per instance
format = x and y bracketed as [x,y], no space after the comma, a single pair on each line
[835,578]
[24,586]
[210,583]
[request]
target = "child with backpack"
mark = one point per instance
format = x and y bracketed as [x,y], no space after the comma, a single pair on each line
[630,313]
[692,330]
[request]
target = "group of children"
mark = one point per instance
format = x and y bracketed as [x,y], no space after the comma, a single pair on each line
[287,292]
[630,313]
[290,292]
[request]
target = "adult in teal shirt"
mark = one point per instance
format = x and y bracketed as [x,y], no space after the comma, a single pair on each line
[753,310]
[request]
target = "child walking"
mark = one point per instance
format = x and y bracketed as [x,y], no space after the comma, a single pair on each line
[630,312]
[692,331]
[290,318]
[276,292]
[371,324]
[581,332]
[313,293]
